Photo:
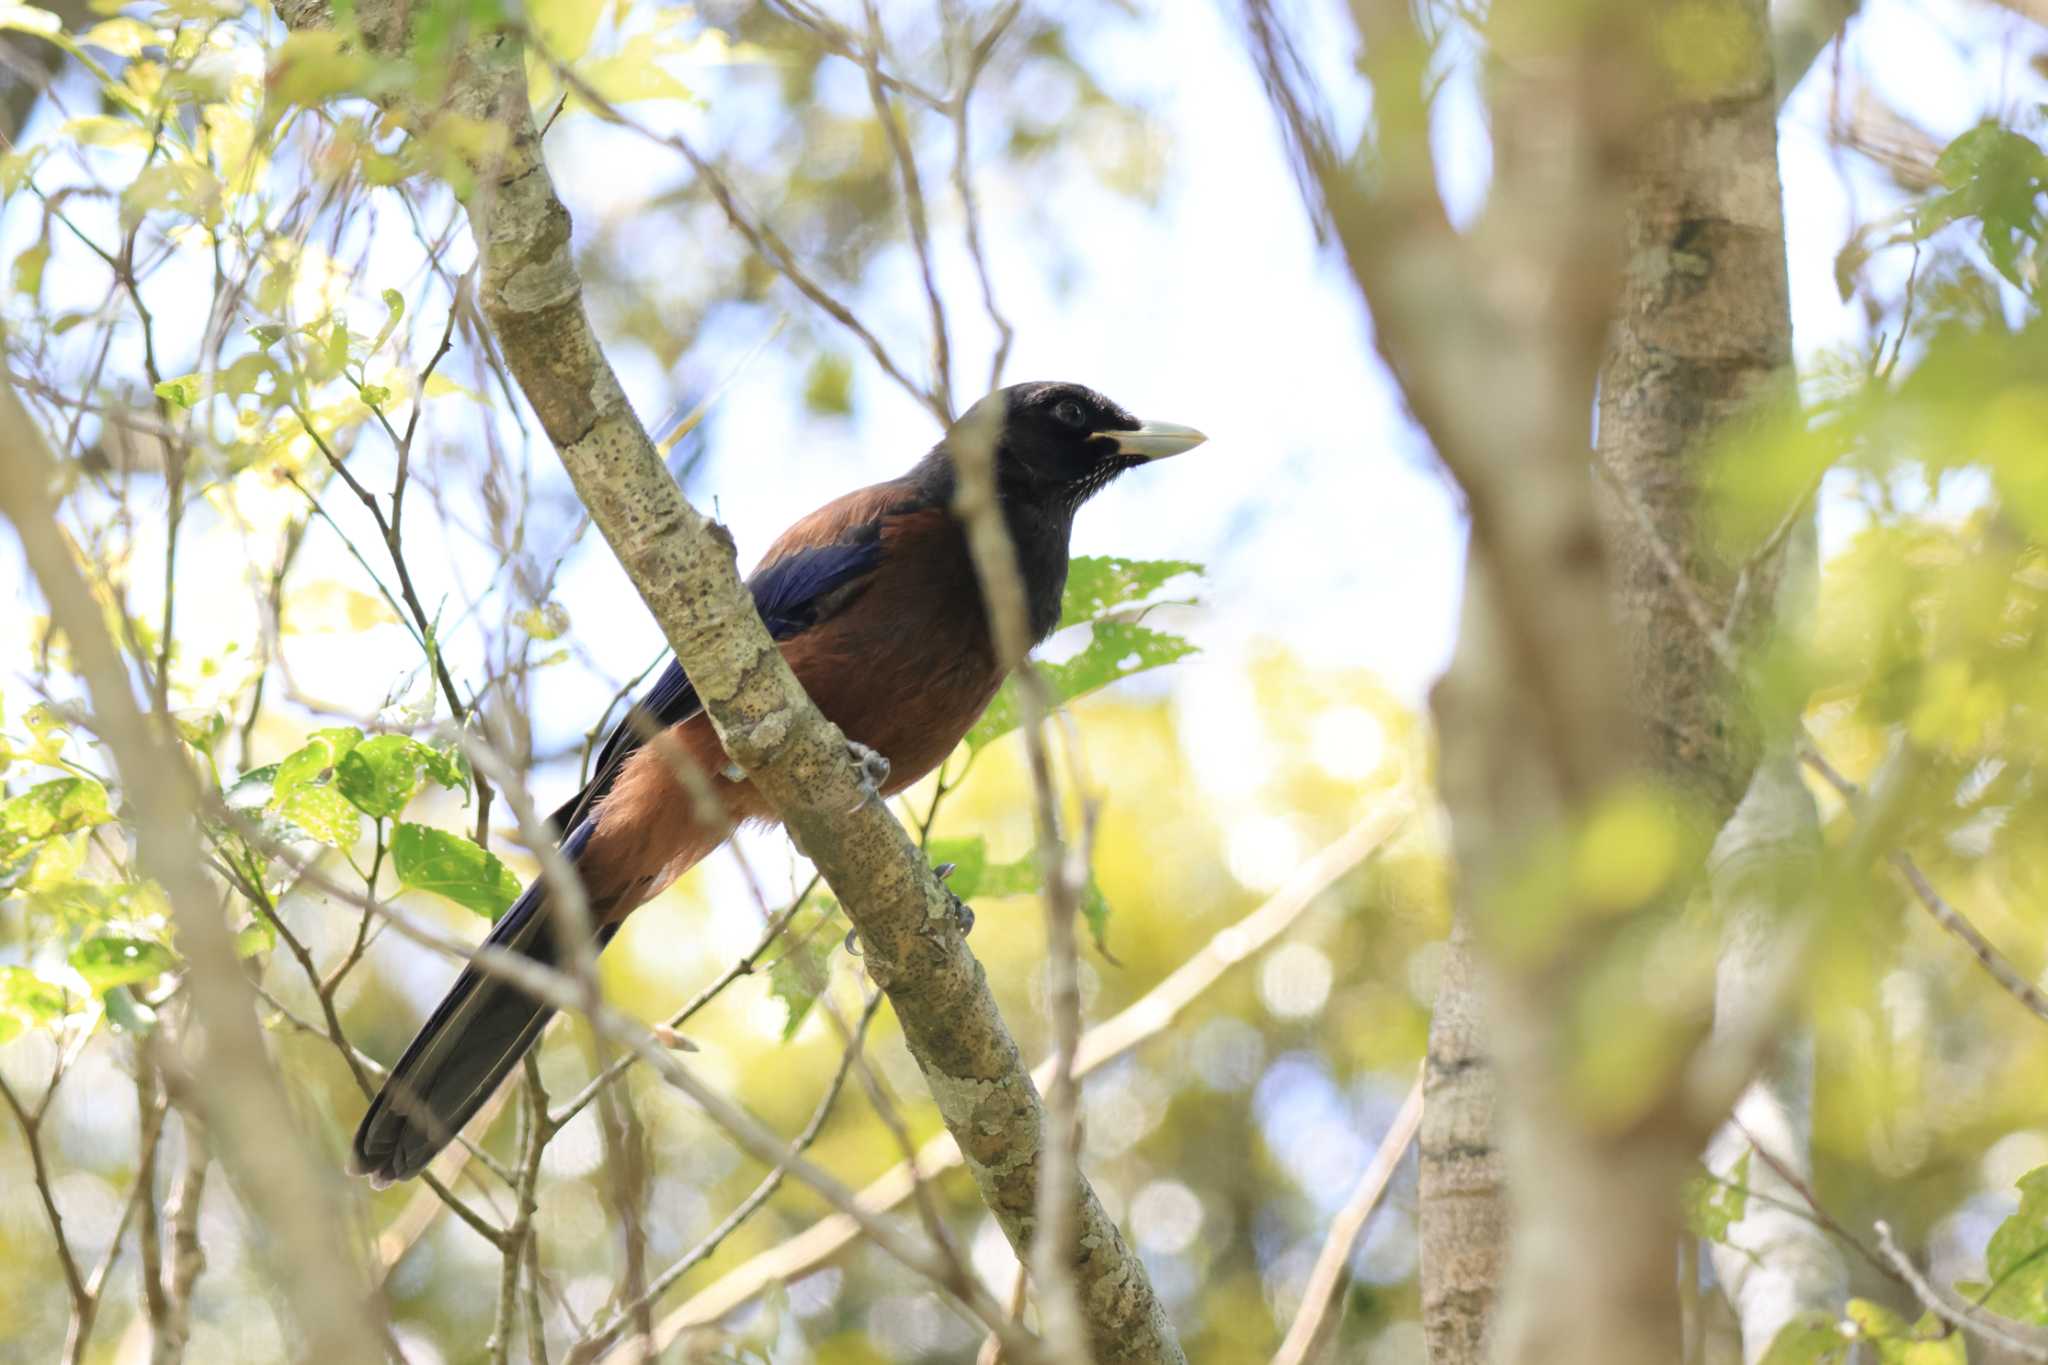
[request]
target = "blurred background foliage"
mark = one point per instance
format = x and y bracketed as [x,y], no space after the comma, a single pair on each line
[229,278]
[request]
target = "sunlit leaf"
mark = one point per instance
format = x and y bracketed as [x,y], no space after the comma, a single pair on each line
[1117,650]
[430,859]
[548,621]
[828,386]
[127,1014]
[1811,1338]
[181,392]
[1929,1341]
[2016,1259]
[302,789]
[1097,584]
[62,806]
[28,1001]
[111,960]
[1713,1204]
[797,978]
[28,269]
[450,768]
[1095,914]
[312,66]
[314,761]
[974,875]
[394,310]
[380,775]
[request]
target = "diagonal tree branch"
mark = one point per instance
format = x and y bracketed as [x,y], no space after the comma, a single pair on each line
[683,567]
[1143,1019]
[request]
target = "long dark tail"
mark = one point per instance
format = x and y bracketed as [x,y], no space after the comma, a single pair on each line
[476,1035]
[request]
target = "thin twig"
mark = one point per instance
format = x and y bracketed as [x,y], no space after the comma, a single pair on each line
[1959,1316]
[1137,1023]
[1313,1322]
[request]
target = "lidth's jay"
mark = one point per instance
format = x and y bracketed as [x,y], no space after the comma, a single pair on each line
[876,605]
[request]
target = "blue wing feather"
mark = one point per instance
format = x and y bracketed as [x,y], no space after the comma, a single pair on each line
[792,594]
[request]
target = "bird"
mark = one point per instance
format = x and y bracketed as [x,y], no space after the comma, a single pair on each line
[876,606]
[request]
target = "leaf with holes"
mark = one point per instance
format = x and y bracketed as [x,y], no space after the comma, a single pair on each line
[1714,1203]
[798,976]
[110,960]
[1811,1338]
[1116,650]
[63,806]
[429,859]
[28,1001]
[1930,1341]
[381,774]
[2016,1258]
[1097,584]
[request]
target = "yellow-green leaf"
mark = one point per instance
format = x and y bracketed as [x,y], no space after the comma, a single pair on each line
[430,859]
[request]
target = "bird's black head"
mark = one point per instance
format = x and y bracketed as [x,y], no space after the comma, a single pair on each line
[1060,443]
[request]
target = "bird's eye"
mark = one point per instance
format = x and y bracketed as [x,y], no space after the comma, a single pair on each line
[1069,413]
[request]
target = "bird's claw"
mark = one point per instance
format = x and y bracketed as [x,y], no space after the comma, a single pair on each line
[962,914]
[873,769]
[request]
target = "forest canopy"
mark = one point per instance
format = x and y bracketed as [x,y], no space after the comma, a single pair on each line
[1555,769]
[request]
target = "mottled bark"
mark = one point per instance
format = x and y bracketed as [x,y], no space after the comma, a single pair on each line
[1631,231]
[1462,1215]
[1700,352]
[683,567]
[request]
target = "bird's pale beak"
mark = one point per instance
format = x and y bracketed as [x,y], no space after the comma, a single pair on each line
[1156,440]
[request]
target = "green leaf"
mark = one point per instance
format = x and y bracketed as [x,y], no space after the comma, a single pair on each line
[127,1014]
[63,806]
[28,1001]
[325,814]
[1927,1342]
[548,621]
[28,269]
[202,731]
[1095,914]
[430,859]
[828,387]
[2016,1258]
[394,309]
[1097,584]
[1996,176]
[110,960]
[302,789]
[258,936]
[181,392]
[381,774]
[797,977]
[450,768]
[1117,650]
[314,66]
[1714,1204]
[974,875]
[313,763]
[1811,1338]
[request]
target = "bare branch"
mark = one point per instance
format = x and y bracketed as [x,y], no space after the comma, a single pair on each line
[683,568]
[251,1118]
[1312,1325]
[1961,1316]
[1139,1022]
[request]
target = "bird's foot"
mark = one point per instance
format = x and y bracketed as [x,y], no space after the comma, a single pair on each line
[963,916]
[958,910]
[873,769]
